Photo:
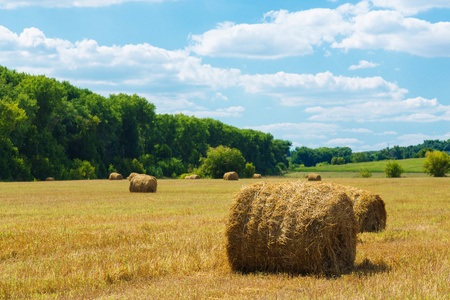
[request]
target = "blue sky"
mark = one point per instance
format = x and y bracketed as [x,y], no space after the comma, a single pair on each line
[363,74]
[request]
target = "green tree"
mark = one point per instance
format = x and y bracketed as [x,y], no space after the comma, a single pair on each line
[437,163]
[249,170]
[337,161]
[359,157]
[393,169]
[221,160]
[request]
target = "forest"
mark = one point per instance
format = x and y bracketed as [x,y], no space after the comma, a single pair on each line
[341,155]
[54,129]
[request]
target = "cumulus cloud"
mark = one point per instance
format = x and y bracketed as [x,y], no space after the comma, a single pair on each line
[281,34]
[300,89]
[14,4]
[411,7]
[390,30]
[136,65]
[410,110]
[418,138]
[284,34]
[344,142]
[363,64]
[232,111]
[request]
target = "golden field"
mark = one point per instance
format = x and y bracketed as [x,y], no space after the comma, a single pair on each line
[95,240]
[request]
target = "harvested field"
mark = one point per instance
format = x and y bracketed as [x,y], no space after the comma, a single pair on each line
[94,239]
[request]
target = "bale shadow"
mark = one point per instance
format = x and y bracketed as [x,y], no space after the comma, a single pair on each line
[368,268]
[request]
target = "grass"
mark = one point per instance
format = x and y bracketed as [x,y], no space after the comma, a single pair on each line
[412,165]
[95,240]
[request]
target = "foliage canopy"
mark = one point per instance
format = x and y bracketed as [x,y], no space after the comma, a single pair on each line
[437,163]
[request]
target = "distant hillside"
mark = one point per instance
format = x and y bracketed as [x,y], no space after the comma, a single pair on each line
[412,165]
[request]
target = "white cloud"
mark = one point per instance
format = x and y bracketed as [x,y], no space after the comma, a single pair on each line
[359,130]
[134,65]
[344,142]
[232,111]
[321,88]
[418,138]
[390,30]
[412,110]
[14,4]
[411,7]
[281,34]
[363,64]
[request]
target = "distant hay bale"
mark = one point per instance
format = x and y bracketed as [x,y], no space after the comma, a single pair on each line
[370,210]
[257,176]
[188,177]
[49,179]
[297,227]
[231,176]
[131,176]
[195,176]
[142,183]
[313,177]
[115,176]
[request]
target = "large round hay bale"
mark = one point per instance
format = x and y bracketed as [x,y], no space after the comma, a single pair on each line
[313,177]
[142,183]
[297,227]
[188,177]
[195,176]
[131,176]
[257,176]
[49,179]
[115,176]
[369,209]
[231,176]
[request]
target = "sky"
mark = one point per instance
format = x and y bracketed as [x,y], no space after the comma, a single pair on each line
[319,73]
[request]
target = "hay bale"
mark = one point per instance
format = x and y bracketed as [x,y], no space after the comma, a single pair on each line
[313,177]
[297,227]
[370,209]
[195,176]
[257,176]
[142,183]
[49,179]
[188,177]
[115,176]
[131,176]
[231,176]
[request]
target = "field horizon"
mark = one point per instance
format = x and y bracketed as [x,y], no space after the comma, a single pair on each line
[92,239]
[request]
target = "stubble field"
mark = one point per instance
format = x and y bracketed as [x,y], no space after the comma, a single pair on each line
[95,240]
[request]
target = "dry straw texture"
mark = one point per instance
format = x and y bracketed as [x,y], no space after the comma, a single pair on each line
[231,176]
[131,176]
[313,177]
[142,183]
[369,209]
[257,176]
[296,227]
[115,176]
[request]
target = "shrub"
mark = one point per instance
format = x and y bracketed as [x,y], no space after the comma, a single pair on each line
[393,169]
[137,166]
[249,170]
[337,161]
[221,160]
[322,164]
[437,163]
[365,173]
[82,170]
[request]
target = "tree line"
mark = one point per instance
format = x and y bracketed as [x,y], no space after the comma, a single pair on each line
[54,129]
[342,155]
